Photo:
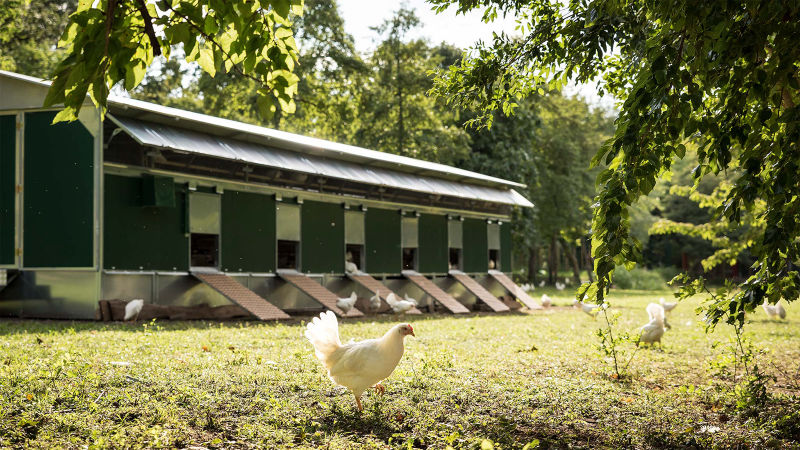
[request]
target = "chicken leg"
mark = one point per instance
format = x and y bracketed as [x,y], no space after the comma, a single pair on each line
[380,389]
[358,402]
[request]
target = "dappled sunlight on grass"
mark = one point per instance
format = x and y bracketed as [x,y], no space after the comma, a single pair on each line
[511,379]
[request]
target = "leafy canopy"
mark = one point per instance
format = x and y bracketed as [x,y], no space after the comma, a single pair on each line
[115,41]
[723,74]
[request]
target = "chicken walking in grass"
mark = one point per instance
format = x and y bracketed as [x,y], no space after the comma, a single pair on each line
[346,304]
[399,306]
[375,301]
[654,330]
[527,287]
[560,286]
[589,309]
[357,365]
[133,308]
[410,300]
[668,306]
[774,311]
[546,301]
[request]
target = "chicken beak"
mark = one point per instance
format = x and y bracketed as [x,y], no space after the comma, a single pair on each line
[412,333]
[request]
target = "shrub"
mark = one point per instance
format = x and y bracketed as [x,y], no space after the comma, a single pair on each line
[638,278]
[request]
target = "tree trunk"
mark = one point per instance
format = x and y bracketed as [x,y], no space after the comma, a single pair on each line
[587,252]
[553,260]
[533,263]
[569,250]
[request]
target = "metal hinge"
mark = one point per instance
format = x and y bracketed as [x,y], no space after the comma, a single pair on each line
[19,188]
[18,251]
[19,125]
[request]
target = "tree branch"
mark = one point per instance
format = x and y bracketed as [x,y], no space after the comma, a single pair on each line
[148,27]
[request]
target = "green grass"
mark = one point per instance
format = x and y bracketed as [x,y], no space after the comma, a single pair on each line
[509,379]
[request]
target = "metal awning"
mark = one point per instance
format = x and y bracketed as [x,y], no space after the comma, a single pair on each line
[188,141]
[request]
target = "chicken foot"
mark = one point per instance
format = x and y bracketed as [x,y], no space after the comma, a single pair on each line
[379,389]
[358,402]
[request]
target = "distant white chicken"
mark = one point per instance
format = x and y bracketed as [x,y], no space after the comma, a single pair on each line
[375,301]
[526,287]
[346,304]
[357,365]
[589,308]
[399,306]
[133,308]
[774,311]
[409,299]
[654,330]
[560,286]
[668,306]
[542,283]
[546,300]
[350,267]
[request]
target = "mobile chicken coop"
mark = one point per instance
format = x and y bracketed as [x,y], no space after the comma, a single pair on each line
[184,209]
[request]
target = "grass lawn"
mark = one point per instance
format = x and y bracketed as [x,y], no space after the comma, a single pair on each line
[509,379]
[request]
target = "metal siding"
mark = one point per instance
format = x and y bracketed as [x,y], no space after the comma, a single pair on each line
[506,246]
[476,249]
[204,213]
[322,235]
[354,227]
[59,193]
[382,233]
[493,236]
[7,190]
[455,234]
[433,250]
[248,232]
[137,237]
[287,222]
[410,233]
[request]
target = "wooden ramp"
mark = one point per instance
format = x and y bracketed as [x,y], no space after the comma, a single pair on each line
[247,299]
[434,291]
[515,290]
[371,284]
[479,291]
[316,291]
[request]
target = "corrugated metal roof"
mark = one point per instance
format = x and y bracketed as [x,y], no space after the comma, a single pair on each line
[178,139]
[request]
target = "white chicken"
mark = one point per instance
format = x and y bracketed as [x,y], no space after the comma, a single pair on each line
[375,301]
[526,287]
[654,330]
[542,283]
[356,365]
[412,300]
[774,311]
[589,309]
[346,304]
[399,306]
[133,308]
[668,306]
[350,267]
[546,301]
[560,286]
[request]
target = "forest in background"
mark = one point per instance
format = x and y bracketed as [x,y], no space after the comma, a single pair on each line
[380,101]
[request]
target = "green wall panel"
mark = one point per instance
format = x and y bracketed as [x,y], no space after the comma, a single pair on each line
[506,247]
[382,235]
[433,250]
[142,237]
[248,232]
[476,246]
[7,181]
[322,237]
[58,193]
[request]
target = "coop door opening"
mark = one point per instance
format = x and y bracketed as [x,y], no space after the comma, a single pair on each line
[205,250]
[287,230]
[288,252]
[455,258]
[204,227]
[494,259]
[355,254]
[410,242]
[354,238]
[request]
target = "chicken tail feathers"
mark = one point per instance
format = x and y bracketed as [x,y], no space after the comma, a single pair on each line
[323,333]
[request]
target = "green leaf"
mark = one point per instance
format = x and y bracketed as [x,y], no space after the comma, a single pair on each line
[206,60]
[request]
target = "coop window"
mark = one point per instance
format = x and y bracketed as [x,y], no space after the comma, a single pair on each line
[204,250]
[455,258]
[410,258]
[288,252]
[355,254]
